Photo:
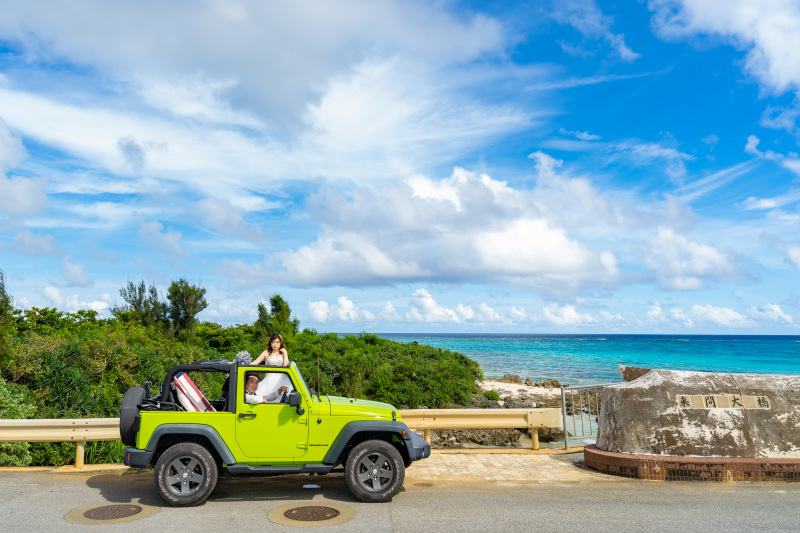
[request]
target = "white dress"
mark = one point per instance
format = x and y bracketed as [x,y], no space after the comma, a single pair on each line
[273,380]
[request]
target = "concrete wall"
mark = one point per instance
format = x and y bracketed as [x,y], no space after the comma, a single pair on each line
[669,412]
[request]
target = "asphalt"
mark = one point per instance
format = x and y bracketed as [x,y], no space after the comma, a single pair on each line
[456,491]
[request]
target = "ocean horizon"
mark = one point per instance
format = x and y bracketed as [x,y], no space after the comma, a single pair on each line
[585,359]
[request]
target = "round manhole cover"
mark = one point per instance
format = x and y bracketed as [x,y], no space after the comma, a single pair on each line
[330,514]
[311,513]
[112,512]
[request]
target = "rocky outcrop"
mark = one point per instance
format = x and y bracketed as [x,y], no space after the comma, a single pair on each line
[669,412]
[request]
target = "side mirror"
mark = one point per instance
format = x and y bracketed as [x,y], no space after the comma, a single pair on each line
[294,401]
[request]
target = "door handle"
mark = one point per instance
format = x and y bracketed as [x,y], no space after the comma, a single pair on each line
[247,415]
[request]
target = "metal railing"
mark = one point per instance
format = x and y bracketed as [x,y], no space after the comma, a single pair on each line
[78,430]
[580,411]
[533,419]
[84,430]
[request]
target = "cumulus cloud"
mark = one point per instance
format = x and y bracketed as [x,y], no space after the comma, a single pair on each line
[682,264]
[793,254]
[389,313]
[723,316]
[769,31]
[586,17]
[27,242]
[518,314]
[343,311]
[132,152]
[73,302]
[468,227]
[424,308]
[75,275]
[227,218]
[20,196]
[566,315]
[770,312]
[169,240]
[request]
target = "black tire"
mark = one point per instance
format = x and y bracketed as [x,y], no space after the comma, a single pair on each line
[128,413]
[186,474]
[374,471]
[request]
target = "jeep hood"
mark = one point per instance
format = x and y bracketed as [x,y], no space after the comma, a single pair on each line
[354,407]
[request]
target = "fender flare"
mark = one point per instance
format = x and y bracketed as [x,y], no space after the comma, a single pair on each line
[192,429]
[364,426]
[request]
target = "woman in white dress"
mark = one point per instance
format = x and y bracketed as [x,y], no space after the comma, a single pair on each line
[274,355]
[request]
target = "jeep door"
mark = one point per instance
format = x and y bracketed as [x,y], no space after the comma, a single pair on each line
[270,431]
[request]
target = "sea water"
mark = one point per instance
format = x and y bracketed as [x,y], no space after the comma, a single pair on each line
[593,359]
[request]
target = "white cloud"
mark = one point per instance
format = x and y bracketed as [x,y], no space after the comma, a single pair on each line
[72,302]
[770,312]
[343,311]
[75,275]
[389,313]
[789,161]
[793,254]
[770,31]
[18,195]
[644,154]
[581,135]
[586,17]
[723,316]
[566,315]
[228,218]
[170,240]
[423,308]
[681,264]
[320,311]
[518,314]
[468,227]
[26,242]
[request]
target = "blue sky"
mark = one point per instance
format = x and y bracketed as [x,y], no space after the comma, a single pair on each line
[574,166]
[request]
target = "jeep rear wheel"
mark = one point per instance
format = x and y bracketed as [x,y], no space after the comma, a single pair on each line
[186,474]
[374,471]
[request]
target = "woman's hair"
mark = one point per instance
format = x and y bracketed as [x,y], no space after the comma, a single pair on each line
[272,337]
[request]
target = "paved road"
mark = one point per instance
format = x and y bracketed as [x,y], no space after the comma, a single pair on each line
[443,493]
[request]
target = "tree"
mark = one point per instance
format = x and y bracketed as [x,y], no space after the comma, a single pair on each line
[277,318]
[141,305]
[6,317]
[185,302]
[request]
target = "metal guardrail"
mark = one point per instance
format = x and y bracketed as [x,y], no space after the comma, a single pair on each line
[585,409]
[533,419]
[78,430]
[83,430]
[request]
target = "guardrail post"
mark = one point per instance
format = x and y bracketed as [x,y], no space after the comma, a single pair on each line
[426,434]
[535,438]
[79,455]
[564,414]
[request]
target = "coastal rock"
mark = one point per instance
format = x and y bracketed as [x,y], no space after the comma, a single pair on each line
[528,382]
[629,373]
[510,378]
[669,412]
[551,384]
[537,384]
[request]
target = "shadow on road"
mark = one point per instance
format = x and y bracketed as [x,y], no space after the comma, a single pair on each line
[137,486]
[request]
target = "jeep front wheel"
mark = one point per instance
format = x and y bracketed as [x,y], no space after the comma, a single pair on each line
[374,471]
[186,474]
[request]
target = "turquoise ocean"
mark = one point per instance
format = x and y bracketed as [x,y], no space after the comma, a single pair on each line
[593,359]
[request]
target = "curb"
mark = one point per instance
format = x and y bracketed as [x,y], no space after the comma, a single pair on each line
[692,468]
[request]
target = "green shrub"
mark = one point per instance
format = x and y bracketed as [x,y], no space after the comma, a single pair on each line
[491,395]
[15,403]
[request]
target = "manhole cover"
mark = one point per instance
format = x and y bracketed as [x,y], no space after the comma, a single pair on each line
[311,513]
[112,512]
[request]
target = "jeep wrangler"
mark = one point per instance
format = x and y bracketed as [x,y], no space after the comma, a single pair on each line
[191,440]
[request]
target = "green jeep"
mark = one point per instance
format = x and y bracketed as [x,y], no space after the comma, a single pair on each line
[191,444]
